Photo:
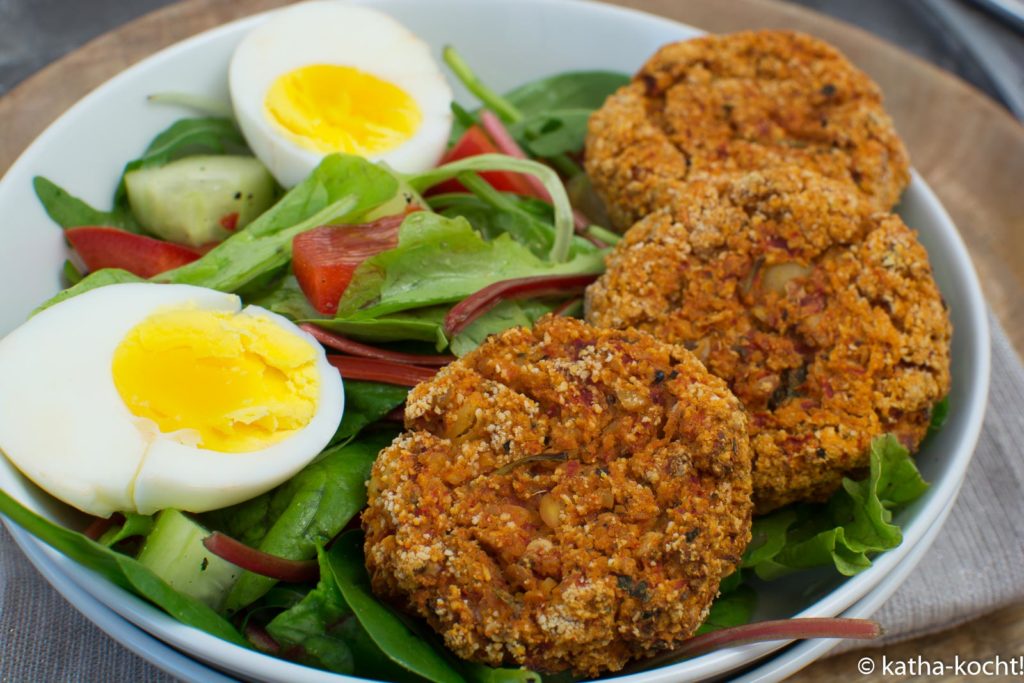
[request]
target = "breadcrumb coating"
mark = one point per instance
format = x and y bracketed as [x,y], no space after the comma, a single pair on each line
[823,318]
[736,102]
[563,498]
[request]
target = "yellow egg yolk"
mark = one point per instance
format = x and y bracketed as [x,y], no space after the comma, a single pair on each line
[237,382]
[330,108]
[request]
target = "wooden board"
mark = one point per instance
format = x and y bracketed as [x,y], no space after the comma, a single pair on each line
[968,148]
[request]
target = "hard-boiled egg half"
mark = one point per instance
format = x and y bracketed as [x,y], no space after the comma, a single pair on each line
[140,397]
[325,76]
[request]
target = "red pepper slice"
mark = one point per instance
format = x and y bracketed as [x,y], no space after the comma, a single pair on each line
[103,247]
[259,562]
[325,258]
[475,142]
[333,340]
[229,221]
[478,303]
[376,370]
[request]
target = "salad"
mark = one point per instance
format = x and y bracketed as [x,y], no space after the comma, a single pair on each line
[396,264]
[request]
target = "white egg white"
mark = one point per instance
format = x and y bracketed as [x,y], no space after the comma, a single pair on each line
[334,32]
[64,425]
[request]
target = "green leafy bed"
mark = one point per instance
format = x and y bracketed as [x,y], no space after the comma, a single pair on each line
[338,625]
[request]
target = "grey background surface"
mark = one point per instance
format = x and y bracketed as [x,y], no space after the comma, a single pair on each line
[954,34]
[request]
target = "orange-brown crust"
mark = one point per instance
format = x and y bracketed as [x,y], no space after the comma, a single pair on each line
[563,498]
[736,102]
[823,318]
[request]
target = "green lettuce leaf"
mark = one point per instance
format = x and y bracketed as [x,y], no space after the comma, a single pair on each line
[441,260]
[121,570]
[845,532]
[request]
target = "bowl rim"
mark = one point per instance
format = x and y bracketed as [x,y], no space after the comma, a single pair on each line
[208,648]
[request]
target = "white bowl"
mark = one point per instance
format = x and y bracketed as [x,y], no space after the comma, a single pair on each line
[508,42]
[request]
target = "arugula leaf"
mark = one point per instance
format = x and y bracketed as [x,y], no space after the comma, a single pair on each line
[420,324]
[71,274]
[286,298]
[134,525]
[308,509]
[183,138]
[387,630]
[121,570]
[341,189]
[309,625]
[854,524]
[94,280]
[365,403]
[441,260]
[500,318]
[69,211]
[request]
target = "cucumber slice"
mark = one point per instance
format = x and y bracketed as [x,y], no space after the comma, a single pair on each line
[174,551]
[198,200]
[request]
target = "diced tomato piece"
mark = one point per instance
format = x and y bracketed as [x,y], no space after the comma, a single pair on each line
[475,142]
[102,247]
[325,258]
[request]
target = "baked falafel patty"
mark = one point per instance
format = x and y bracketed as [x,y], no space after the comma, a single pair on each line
[563,498]
[741,101]
[822,316]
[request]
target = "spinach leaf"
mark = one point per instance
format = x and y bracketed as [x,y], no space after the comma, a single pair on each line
[734,607]
[387,630]
[340,190]
[855,523]
[940,412]
[553,132]
[94,280]
[365,403]
[500,318]
[310,623]
[191,137]
[569,90]
[581,90]
[69,211]
[121,570]
[441,260]
[310,508]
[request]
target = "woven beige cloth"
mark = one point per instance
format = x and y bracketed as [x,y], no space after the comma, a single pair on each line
[976,565]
